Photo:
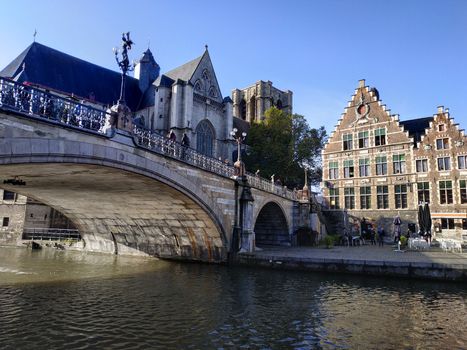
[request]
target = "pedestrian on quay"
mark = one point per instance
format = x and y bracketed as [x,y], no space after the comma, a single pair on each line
[380,236]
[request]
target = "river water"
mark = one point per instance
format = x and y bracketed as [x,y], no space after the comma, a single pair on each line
[69,300]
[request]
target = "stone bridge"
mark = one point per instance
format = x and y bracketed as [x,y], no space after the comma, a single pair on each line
[134,192]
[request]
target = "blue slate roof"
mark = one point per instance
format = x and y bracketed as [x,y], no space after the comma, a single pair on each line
[416,127]
[50,68]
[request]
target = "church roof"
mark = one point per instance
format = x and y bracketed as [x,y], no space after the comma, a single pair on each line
[185,71]
[50,68]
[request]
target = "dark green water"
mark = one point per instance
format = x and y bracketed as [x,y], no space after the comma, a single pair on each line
[66,300]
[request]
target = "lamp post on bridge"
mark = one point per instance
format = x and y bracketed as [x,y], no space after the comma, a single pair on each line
[119,115]
[243,235]
[239,165]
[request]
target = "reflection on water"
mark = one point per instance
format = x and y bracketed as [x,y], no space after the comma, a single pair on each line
[54,299]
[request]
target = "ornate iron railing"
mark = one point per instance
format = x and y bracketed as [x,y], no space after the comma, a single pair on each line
[155,142]
[39,103]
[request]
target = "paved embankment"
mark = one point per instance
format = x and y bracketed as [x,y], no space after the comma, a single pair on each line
[371,260]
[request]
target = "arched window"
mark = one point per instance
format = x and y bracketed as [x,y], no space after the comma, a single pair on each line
[253,108]
[212,92]
[198,85]
[205,138]
[279,104]
[243,109]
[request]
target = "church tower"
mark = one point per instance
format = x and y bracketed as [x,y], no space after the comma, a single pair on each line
[146,70]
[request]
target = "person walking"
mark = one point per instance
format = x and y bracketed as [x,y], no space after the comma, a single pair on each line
[380,236]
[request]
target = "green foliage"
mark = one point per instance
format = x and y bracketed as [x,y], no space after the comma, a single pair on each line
[403,240]
[329,241]
[284,145]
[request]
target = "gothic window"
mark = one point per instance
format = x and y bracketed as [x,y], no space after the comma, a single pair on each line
[279,104]
[212,92]
[198,85]
[253,108]
[205,138]
[243,109]
[206,75]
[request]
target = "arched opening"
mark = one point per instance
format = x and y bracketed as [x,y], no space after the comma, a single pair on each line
[205,138]
[279,104]
[252,108]
[243,109]
[271,227]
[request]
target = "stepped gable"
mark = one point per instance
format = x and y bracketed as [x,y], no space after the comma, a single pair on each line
[365,111]
[49,68]
[441,125]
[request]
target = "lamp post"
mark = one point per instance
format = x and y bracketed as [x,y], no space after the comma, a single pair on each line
[239,138]
[124,63]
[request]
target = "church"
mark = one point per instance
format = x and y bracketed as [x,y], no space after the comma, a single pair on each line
[185,101]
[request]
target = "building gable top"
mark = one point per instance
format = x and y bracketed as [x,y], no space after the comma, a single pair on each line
[364,111]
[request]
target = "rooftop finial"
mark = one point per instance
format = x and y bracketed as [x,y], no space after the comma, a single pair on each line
[34,35]
[206,47]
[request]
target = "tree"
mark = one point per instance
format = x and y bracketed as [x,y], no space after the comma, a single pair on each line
[284,145]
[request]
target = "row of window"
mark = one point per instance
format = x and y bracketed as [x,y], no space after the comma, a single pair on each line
[398,166]
[363,138]
[400,195]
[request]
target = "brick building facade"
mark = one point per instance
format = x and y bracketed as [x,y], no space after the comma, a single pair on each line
[376,166]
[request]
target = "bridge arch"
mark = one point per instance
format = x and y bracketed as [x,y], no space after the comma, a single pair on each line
[271,227]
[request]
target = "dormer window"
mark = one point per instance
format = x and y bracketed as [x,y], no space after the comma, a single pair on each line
[442,143]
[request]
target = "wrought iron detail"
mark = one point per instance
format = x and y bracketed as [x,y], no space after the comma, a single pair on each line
[158,143]
[31,101]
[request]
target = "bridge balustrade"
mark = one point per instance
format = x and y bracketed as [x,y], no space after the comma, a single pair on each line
[40,103]
[163,145]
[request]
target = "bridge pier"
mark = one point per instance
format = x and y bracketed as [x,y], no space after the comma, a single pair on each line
[247,242]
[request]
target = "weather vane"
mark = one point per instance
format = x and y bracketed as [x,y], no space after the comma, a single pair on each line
[124,63]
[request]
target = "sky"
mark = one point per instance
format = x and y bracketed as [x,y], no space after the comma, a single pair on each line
[413,51]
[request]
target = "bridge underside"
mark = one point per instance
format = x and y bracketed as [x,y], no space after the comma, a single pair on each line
[118,211]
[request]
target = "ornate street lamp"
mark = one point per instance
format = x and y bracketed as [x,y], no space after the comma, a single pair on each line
[239,138]
[124,63]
